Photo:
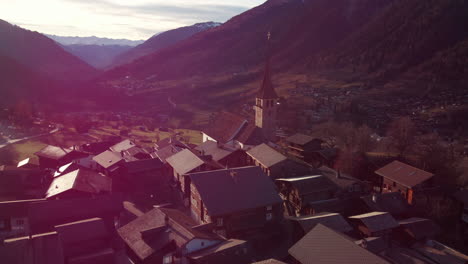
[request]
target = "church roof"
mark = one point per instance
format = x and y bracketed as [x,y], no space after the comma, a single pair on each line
[266,90]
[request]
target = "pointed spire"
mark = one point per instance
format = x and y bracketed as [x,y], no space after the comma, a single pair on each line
[266,90]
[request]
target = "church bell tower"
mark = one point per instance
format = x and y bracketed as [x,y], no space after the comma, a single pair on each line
[266,104]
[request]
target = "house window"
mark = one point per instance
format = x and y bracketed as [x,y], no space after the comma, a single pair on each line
[269,208]
[394,184]
[167,259]
[269,216]
[20,222]
[219,222]
[4,224]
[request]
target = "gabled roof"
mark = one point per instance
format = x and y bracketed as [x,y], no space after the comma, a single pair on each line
[342,180]
[179,229]
[143,165]
[26,162]
[167,152]
[169,141]
[373,244]
[299,139]
[323,245]
[266,155]
[184,161]
[266,90]
[122,146]
[233,190]
[219,249]
[53,152]
[404,174]
[331,220]
[216,151]
[80,180]
[108,159]
[132,235]
[228,126]
[377,221]
[394,203]
[419,228]
[310,184]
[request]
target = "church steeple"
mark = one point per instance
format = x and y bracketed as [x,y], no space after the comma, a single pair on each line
[266,90]
[266,103]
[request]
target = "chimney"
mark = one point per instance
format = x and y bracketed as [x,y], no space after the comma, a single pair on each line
[338,174]
[122,153]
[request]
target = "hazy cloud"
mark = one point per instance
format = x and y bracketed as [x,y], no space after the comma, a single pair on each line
[132,19]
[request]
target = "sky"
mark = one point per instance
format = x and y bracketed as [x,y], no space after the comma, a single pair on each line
[128,19]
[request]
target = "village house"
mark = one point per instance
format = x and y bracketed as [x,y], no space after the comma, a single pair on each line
[393,203]
[21,183]
[146,178]
[30,217]
[275,164]
[109,163]
[237,201]
[349,187]
[27,163]
[375,224]
[323,245]
[223,154]
[415,229]
[164,153]
[302,146]
[323,157]
[79,183]
[168,236]
[169,141]
[185,162]
[298,192]
[409,181]
[86,241]
[333,205]
[52,157]
[233,130]
[122,146]
[304,224]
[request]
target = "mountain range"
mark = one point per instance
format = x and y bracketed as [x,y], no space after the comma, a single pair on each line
[400,55]
[93,40]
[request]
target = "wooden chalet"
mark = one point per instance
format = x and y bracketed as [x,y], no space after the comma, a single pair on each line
[323,245]
[169,236]
[304,224]
[31,217]
[374,224]
[232,129]
[405,179]
[237,201]
[275,164]
[302,146]
[52,157]
[109,163]
[225,155]
[185,162]
[299,192]
[415,229]
[77,184]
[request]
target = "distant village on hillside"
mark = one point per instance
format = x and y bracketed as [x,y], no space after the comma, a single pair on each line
[249,192]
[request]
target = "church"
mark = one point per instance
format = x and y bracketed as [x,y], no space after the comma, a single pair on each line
[241,132]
